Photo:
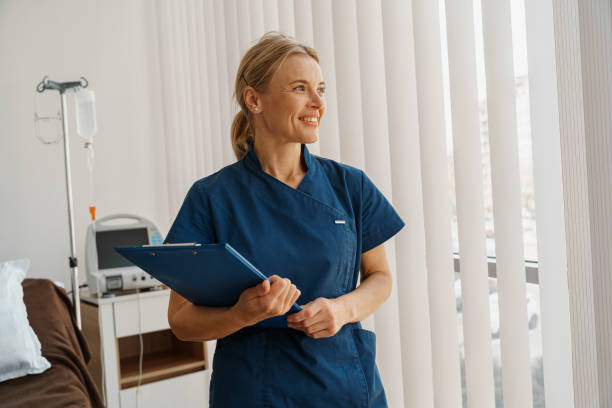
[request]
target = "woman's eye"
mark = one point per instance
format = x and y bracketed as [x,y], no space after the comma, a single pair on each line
[302,88]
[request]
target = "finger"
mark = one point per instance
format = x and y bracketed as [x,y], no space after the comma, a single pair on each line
[291,288]
[308,311]
[294,299]
[317,319]
[263,288]
[291,316]
[323,314]
[276,297]
[279,285]
[288,295]
[293,296]
[317,327]
[296,295]
[322,334]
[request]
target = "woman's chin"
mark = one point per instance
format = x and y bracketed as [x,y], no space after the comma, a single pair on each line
[308,139]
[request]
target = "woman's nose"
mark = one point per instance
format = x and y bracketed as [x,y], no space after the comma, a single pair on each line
[316,100]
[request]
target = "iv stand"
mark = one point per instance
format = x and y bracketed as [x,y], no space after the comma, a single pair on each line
[62,87]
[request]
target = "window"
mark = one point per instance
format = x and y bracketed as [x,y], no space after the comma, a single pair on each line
[527,198]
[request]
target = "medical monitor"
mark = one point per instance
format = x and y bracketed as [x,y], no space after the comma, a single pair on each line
[106,241]
[107,271]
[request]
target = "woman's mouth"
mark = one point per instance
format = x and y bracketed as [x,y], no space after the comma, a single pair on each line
[310,120]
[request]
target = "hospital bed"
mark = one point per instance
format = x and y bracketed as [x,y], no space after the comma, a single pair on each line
[67,383]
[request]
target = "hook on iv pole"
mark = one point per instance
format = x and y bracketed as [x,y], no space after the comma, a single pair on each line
[60,86]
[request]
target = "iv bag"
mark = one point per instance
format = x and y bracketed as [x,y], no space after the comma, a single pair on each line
[86,113]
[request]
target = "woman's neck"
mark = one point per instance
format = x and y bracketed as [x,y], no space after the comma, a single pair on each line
[282,161]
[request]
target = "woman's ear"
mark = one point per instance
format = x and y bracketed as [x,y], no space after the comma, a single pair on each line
[252,100]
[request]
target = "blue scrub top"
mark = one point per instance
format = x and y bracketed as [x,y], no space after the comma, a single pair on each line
[314,235]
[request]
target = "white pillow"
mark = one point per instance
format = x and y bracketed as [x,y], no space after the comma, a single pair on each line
[19,346]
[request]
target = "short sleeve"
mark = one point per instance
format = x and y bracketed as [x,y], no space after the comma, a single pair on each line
[379,220]
[192,223]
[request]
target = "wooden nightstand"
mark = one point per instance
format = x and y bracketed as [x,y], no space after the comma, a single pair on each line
[174,372]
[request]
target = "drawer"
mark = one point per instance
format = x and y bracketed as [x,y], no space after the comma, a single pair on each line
[185,391]
[153,315]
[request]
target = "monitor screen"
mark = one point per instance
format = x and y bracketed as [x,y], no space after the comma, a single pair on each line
[106,241]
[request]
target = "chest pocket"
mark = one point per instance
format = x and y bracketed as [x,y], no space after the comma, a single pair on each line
[297,237]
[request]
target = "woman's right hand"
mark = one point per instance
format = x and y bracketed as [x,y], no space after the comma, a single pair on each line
[266,300]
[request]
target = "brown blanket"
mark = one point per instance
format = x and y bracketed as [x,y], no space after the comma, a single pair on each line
[67,383]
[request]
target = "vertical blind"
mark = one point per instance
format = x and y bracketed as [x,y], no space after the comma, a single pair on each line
[382,65]
[546,113]
[505,177]
[470,206]
[429,132]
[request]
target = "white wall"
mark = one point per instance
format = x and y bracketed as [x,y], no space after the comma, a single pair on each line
[114,45]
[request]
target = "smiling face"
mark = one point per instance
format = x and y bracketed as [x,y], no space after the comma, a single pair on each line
[292,105]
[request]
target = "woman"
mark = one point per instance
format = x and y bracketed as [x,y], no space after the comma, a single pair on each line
[313,224]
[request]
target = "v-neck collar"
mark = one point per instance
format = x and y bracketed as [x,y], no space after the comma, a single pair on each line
[252,162]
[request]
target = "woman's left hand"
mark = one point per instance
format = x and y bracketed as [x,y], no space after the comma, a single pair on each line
[320,318]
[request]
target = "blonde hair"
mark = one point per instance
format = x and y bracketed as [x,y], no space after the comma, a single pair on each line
[256,69]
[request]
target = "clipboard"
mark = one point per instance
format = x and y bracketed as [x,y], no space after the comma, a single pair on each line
[205,274]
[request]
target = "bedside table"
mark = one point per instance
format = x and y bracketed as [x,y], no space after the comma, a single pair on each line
[174,372]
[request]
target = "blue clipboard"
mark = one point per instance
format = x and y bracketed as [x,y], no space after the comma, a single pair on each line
[205,274]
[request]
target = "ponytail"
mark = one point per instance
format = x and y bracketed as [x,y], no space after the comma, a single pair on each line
[241,134]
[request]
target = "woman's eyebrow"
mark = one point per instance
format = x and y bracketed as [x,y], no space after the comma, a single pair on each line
[304,82]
